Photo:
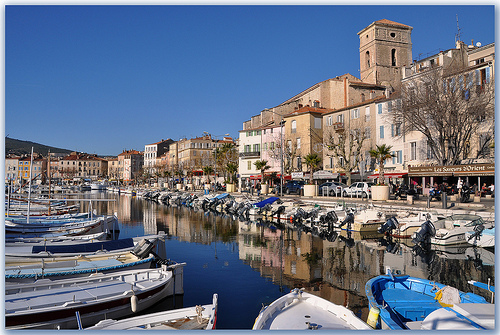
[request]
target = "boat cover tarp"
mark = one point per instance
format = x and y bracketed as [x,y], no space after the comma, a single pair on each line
[269,200]
[221,196]
[85,247]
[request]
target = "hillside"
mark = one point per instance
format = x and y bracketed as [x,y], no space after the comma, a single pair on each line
[18,147]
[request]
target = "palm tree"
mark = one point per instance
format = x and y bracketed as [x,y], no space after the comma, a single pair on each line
[381,153]
[232,168]
[262,166]
[207,170]
[312,161]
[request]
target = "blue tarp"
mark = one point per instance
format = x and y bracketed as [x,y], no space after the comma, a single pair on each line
[269,200]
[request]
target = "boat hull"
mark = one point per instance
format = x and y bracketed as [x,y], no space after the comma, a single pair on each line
[90,299]
[404,301]
[299,310]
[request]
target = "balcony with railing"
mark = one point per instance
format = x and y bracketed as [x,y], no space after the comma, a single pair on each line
[250,154]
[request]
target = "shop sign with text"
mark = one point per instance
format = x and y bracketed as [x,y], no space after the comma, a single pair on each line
[452,170]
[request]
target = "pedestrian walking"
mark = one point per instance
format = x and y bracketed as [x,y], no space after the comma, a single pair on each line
[257,187]
[460,183]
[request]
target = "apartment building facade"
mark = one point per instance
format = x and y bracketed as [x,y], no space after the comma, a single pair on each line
[304,136]
[131,163]
[38,170]
[249,152]
[83,166]
[187,157]
[153,152]
[11,169]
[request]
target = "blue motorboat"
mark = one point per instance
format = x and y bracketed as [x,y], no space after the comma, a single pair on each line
[262,203]
[404,302]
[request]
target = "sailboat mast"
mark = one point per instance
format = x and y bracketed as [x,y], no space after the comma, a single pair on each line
[48,175]
[29,190]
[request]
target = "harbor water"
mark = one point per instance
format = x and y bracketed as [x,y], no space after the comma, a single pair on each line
[250,264]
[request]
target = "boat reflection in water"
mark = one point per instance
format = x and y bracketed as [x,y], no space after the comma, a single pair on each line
[253,263]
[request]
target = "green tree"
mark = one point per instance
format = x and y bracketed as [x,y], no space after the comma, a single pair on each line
[312,161]
[262,166]
[232,168]
[381,153]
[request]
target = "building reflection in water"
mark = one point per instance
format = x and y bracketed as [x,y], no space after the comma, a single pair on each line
[336,270]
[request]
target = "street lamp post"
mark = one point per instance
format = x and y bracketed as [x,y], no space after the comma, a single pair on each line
[281,149]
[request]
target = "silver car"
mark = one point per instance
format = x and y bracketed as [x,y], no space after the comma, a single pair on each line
[359,189]
[332,187]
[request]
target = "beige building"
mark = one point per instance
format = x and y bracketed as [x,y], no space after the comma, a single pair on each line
[83,166]
[11,169]
[131,162]
[304,135]
[191,155]
[115,169]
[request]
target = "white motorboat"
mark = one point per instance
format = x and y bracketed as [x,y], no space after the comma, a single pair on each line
[84,301]
[300,310]
[484,238]
[406,226]
[189,318]
[364,220]
[99,186]
[452,229]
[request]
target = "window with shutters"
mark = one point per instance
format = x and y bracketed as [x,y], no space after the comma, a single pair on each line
[413,151]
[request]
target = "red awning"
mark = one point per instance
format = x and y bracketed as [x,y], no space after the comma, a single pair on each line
[259,177]
[389,175]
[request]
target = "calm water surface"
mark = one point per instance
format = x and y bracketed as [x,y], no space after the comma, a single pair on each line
[250,264]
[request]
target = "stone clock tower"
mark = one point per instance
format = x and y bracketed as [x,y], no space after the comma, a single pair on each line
[384,52]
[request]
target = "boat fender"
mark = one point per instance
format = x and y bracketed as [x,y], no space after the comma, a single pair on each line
[133,303]
[373,317]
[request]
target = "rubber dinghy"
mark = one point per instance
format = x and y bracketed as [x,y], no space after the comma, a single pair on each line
[404,302]
[300,310]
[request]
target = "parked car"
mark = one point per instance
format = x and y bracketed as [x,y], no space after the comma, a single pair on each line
[291,186]
[362,189]
[334,188]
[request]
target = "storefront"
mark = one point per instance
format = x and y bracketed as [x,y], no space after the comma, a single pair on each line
[426,176]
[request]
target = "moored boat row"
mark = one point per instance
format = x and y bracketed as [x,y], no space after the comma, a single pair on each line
[287,312]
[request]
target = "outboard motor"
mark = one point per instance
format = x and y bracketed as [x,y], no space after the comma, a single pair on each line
[478,230]
[330,217]
[299,215]
[143,248]
[391,224]
[349,219]
[313,213]
[425,232]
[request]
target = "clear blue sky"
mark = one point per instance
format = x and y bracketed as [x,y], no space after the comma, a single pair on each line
[101,79]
